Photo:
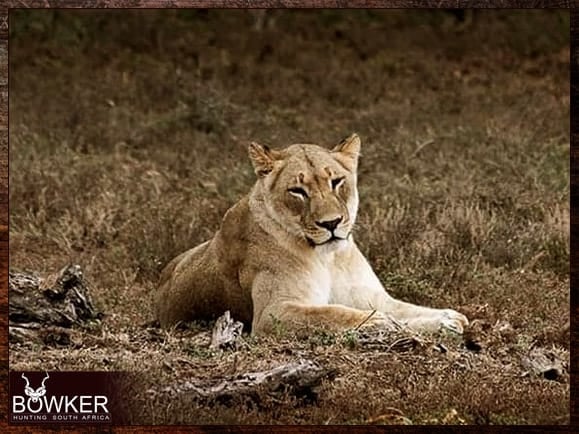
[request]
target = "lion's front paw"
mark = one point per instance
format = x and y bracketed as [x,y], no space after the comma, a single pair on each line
[453,320]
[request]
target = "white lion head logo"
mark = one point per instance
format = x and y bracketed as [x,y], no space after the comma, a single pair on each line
[35,395]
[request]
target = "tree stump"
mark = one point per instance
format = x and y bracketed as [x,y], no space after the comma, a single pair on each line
[226,332]
[43,310]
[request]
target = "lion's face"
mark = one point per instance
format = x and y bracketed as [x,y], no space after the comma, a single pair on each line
[309,190]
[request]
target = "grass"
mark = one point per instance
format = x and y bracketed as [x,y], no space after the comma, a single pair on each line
[127,149]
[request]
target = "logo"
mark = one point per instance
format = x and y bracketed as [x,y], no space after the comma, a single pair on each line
[67,400]
[35,395]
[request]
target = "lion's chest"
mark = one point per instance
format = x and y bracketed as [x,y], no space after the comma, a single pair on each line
[328,280]
[319,285]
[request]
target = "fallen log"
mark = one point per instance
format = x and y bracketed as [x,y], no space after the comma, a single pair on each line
[43,310]
[300,379]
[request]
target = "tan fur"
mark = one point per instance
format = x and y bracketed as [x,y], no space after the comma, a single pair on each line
[274,259]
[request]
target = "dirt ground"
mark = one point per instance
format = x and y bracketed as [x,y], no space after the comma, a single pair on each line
[128,136]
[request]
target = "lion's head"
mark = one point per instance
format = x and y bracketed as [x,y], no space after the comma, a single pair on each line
[309,190]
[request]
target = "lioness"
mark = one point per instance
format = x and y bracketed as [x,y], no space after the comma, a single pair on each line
[286,253]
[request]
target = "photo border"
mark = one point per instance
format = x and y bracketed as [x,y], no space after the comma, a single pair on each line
[230,4]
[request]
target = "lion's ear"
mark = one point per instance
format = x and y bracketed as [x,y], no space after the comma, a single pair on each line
[262,158]
[348,151]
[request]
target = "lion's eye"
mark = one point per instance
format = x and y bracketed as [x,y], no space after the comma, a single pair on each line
[337,182]
[297,191]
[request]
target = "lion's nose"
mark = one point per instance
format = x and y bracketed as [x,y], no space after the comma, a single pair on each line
[330,224]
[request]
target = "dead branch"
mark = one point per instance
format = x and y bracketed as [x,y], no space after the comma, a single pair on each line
[544,363]
[399,342]
[226,332]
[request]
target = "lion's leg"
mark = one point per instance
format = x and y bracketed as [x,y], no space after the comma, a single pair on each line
[290,300]
[360,288]
[291,315]
[190,289]
[421,318]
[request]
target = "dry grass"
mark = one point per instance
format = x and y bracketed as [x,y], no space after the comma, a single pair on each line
[127,149]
